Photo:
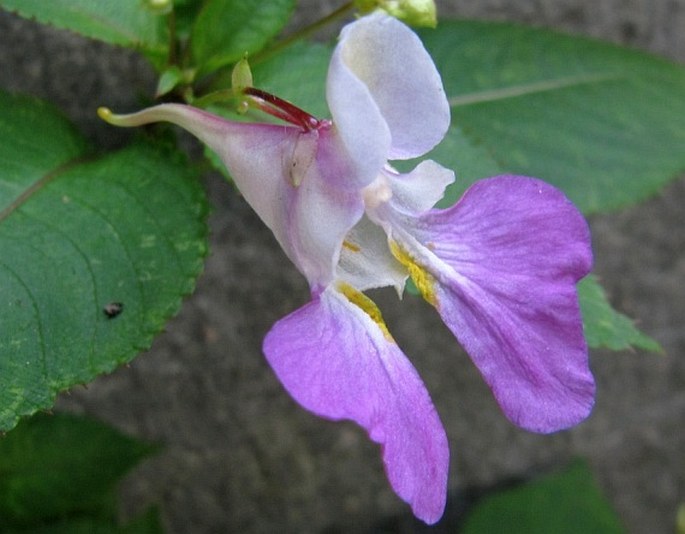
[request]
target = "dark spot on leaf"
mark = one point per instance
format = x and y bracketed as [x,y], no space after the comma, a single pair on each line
[113,309]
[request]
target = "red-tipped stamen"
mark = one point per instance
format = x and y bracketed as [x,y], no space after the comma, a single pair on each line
[282,109]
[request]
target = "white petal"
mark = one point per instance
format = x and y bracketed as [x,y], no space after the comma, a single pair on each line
[362,132]
[388,59]
[419,190]
[366,261]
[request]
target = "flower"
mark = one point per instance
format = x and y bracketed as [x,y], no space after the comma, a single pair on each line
[500,266]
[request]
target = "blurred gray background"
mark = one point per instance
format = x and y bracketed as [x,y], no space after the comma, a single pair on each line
[240,456]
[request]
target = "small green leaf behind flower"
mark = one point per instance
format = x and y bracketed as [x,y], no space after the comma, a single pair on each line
[171,78]
[225,30]
[568,502]
[59,474]
[604,326]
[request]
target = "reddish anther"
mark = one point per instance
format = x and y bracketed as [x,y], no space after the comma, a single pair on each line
[282,109]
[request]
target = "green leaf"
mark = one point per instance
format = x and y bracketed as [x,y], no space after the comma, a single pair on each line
[603,123]
[169,79]
[604,326]
[564,503]
[129,23]
[79,234]
[58,466]
[226,29]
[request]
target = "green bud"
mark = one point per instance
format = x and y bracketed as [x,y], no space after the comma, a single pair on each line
[162,7]
[241,77]
[414,12]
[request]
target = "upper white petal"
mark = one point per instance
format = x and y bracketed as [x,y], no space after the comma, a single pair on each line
[399,76]
[362,132]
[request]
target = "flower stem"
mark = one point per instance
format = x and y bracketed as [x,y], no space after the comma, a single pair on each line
[304,32]
[223,95]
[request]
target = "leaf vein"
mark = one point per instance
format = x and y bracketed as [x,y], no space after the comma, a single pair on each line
[36,309]
[36,186]
[515,91]
[86,261]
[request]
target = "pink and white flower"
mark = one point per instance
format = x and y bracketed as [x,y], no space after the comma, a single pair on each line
[500,266]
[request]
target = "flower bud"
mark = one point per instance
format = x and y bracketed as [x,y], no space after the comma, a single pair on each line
[241,77]
[162,7]
[414,12]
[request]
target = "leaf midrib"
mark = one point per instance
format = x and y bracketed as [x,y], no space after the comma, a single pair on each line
[526,89]
[38,185]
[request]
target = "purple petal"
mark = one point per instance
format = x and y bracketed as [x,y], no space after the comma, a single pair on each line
[505,261]
[381,67]
[339,363]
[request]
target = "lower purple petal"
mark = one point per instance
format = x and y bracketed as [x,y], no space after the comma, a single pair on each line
[506,259]
[337,362]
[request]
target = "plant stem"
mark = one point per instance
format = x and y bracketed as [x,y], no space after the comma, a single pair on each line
[223,95]
[171,25]
[304,32]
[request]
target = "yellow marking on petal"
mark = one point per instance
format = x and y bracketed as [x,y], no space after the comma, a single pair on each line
[351,246]
[367,305]
[424,281]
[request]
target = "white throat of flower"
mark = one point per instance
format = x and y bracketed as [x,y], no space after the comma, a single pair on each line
[377,192]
